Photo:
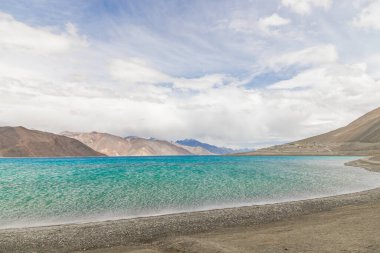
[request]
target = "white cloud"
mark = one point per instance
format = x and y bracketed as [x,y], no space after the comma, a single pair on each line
[328,97]
[332,77]
[39,53]
[56,80]
[305,7]
[202,83]
[243,25]
[369,17]
[373,62]
[17,35]
[317,55]
[250,25]
[135,71]
[273,21]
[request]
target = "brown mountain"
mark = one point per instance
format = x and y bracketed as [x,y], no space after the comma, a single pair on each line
[113,145]
[23,142]
[361,137]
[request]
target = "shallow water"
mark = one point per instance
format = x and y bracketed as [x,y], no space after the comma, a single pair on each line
[46,191]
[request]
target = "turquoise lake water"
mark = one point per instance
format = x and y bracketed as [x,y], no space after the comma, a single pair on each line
[46,191]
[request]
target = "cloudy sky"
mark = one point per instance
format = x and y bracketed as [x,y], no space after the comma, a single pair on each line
[233,73]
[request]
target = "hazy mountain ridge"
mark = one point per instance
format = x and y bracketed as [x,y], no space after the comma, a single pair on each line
[195,150]
[23,142]
[360,137]
[210,148]
[113,145]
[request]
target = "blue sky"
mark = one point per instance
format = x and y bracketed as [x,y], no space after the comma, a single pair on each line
[234,73]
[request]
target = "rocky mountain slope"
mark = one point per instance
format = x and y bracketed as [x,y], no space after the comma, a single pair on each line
[361,137]
[113,145]
[23,142]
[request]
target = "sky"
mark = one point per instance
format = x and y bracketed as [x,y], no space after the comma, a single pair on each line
[234,73]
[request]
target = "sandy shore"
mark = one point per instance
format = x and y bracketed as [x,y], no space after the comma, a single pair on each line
[345,223]
[371,164]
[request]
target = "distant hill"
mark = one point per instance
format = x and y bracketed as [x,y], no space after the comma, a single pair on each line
[23,142]
[210,148]
[195,150]
[113,145]
[361,137]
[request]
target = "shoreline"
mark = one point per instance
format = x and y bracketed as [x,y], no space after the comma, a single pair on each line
[139,231]
[366,163]
[179,213]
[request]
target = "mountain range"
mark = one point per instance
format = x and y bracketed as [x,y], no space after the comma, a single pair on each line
[22,142]
[360,137]
[210,148]
[113,145]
